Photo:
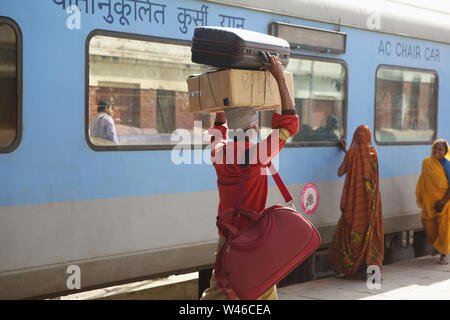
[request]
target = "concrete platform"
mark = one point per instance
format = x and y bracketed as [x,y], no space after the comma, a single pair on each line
[177,287]
[418,279]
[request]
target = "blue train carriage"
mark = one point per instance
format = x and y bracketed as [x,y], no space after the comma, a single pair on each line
[78,213]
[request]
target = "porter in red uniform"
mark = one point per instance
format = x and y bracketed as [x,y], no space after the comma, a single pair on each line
[229,158]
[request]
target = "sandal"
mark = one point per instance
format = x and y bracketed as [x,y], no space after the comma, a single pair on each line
[443,259]
[434,252]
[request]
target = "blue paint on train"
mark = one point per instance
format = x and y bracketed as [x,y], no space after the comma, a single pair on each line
[54,163]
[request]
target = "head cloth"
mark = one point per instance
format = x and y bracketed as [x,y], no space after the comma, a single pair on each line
[241,117]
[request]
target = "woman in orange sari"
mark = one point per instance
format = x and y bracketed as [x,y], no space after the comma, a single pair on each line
[432,195]
[358,240]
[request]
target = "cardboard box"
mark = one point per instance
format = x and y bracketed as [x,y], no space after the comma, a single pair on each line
[214,91]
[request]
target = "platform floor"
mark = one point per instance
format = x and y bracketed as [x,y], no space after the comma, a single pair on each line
[418,279]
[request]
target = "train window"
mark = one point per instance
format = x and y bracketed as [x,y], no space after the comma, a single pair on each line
[10,92]
[138,95]
[405,105]
[320,100]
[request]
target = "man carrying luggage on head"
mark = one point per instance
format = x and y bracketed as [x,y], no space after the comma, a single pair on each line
[228,170]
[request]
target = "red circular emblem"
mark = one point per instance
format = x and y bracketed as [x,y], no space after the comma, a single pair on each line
[309,198]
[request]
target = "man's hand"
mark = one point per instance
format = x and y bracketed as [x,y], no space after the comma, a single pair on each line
[275,67]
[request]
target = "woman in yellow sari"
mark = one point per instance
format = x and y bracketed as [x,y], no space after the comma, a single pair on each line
[432,195]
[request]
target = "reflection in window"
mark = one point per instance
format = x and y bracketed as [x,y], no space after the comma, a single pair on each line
[319,100]
[405,106]
[146,84]
[165,111]
[8,86]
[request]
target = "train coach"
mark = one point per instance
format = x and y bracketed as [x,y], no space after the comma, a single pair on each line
[102,213]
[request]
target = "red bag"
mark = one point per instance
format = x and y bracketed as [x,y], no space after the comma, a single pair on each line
[254,259]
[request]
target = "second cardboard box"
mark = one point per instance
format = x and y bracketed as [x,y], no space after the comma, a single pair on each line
[214,91]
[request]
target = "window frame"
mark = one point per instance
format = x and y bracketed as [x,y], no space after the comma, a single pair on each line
[19,75]
[436,97]
[315,144]
[125,36]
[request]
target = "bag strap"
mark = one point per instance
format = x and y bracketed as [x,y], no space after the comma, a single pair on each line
[278,181]
[280,184]
[229,230]
[242,180]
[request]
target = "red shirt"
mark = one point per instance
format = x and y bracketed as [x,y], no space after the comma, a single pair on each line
[254,195]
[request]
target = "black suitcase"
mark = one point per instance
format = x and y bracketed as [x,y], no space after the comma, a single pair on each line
[236,48]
